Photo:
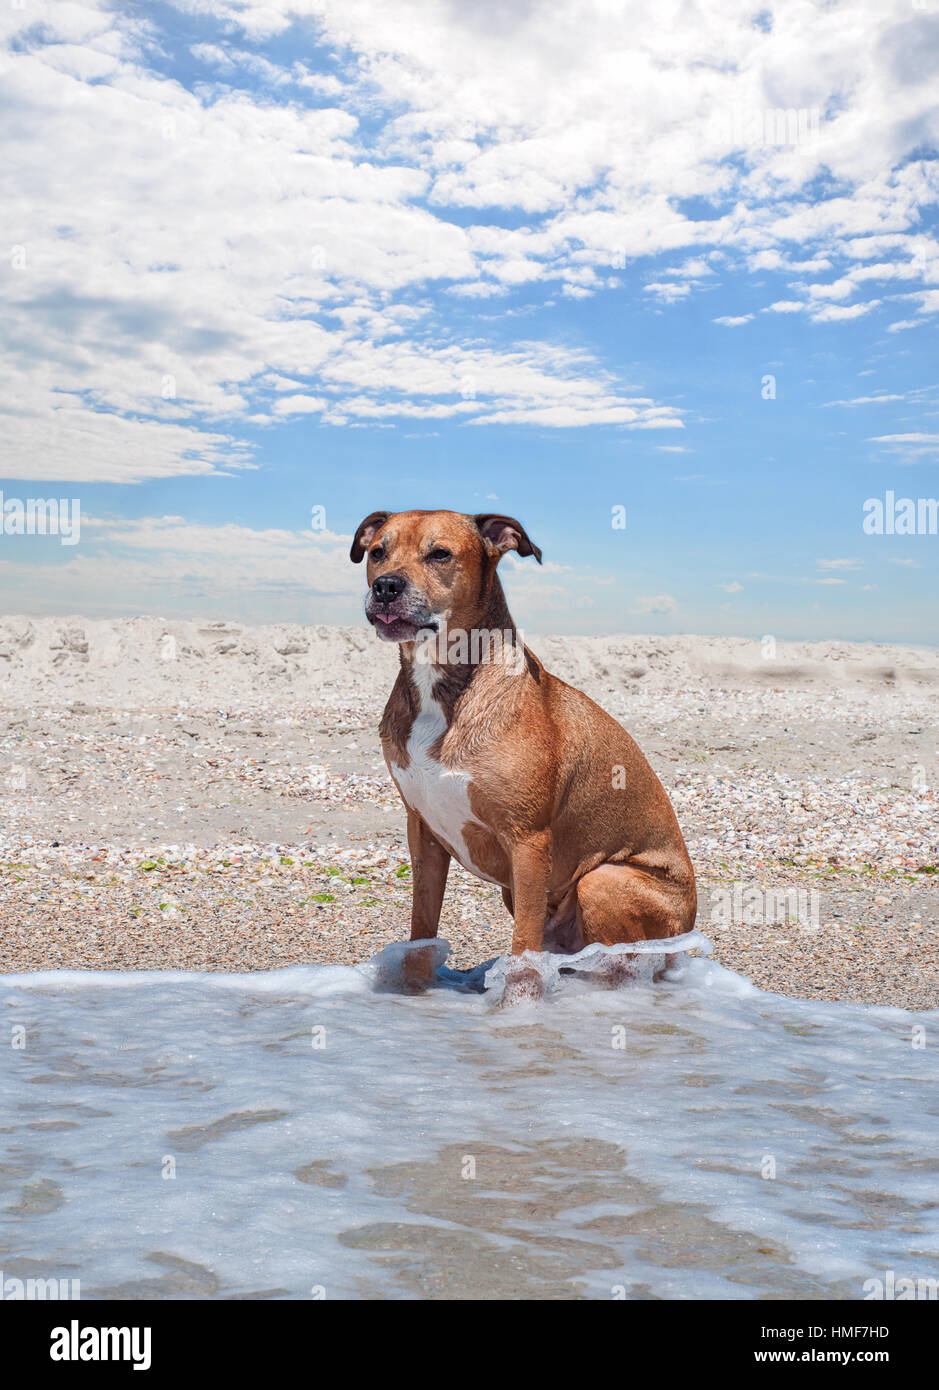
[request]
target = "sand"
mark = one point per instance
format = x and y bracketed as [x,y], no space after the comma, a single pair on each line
[212,796]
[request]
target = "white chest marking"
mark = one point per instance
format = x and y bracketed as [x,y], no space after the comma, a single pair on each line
[439,794]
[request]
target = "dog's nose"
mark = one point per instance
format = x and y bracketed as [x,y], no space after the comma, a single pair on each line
[387,587]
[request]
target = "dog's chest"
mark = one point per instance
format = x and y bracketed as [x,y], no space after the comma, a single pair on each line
[439,794]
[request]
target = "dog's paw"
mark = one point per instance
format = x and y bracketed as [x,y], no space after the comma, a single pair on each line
[418,969]
[409,967]
[616,971]
[523,985]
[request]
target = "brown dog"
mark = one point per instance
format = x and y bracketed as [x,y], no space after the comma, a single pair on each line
[521,778]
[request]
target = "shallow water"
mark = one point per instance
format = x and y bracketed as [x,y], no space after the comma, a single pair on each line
[691,1138]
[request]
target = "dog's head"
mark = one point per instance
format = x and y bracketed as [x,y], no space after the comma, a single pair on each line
[430,569]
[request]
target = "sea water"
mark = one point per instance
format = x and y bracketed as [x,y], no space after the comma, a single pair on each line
[310,1133]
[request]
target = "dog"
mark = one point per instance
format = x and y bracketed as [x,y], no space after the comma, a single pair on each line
[519,777]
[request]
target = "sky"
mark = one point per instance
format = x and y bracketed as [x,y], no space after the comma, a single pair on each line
[660,281]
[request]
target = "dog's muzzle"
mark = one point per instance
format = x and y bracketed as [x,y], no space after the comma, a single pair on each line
[397,612]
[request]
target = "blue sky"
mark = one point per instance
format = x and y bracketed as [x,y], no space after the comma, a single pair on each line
[546,259]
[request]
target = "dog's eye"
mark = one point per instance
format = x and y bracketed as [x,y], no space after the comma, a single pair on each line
[440,554]
[378,553]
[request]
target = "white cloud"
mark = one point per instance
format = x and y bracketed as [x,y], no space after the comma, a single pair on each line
[909,448]
[833,313]
[654,603]
[299,405]
[567,416]
[223,236]
[178,566]
[916,438]
[733,320]
[668,291]
[835,289]
[236,556]
[48,435]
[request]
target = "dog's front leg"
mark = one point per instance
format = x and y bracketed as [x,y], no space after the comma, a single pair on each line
[531,865]
[430,864]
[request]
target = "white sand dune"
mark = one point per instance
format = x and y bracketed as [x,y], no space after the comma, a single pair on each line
[133,661]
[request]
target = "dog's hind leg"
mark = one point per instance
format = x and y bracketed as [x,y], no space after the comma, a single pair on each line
[626,902]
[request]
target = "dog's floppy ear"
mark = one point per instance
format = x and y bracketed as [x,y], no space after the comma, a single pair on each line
[364,533]
[505,533]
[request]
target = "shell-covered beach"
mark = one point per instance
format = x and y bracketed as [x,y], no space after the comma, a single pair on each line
[211,796]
